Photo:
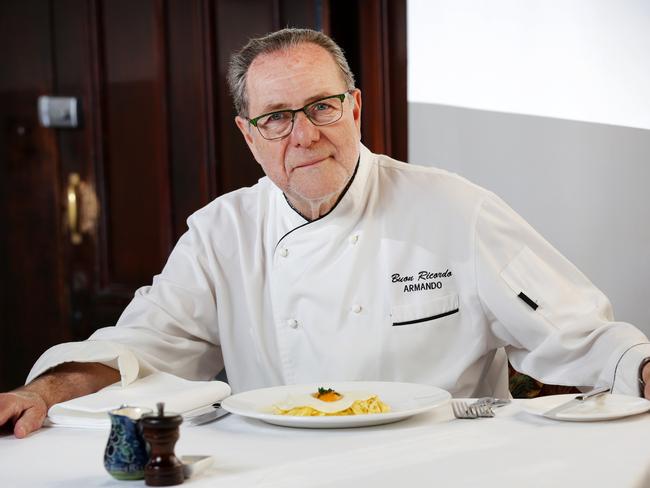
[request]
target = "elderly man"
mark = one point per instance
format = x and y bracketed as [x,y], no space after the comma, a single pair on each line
[343,264]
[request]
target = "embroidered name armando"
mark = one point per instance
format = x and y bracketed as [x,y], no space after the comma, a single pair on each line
[431,285]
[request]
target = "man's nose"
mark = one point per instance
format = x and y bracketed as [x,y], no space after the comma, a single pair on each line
[304,133]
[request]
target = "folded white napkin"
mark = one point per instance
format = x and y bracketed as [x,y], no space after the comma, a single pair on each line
[178,394]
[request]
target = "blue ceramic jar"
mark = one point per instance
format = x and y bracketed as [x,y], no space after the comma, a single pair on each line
[126,451]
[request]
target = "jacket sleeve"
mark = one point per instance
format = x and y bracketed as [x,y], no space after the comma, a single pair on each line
[556,325]
[170,326]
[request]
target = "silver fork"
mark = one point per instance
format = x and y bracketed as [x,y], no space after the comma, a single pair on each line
[484,410]
[492,402]
[464,411]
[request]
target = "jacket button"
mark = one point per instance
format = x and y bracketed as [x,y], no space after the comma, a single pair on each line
[356,308]
[293,323]
[284,252]
[353,239]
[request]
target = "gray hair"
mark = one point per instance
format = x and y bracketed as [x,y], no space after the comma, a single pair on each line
[281,40]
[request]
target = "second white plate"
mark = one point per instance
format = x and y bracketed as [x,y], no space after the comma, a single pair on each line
[405,400]
[604,407]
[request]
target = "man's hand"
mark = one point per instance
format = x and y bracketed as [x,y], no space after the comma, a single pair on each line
[645,375]
[26,407]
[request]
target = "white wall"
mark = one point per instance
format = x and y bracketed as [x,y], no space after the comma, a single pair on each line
[547,103]
[573,59]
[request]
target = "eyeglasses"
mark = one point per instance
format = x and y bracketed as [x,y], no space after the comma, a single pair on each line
[277,125]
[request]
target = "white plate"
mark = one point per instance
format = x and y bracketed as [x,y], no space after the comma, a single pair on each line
[603,407]
[404,399]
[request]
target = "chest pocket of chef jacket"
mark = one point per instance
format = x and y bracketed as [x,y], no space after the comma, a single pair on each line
[560,298]
[426,312]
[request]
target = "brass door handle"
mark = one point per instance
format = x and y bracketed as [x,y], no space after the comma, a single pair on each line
[83,208]
[73,208]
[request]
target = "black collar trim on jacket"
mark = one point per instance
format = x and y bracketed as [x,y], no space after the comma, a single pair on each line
[345,190]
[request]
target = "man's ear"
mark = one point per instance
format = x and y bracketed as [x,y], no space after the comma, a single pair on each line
[245,129]
[356,109]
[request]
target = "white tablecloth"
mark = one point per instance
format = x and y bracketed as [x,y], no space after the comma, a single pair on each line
[430,450]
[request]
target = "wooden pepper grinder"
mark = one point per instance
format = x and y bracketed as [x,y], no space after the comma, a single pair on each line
[161,432]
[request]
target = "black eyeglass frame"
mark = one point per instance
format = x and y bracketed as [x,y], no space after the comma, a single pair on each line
[254,121]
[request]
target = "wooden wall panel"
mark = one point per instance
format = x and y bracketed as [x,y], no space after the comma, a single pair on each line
[32,274]
[395,56]
[373,35]
[235,165]
[374,77]
[190,136]
[136,165]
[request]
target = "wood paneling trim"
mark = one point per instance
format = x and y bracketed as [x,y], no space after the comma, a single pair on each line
[209,49]
[396,51]
[376,109]
[72,51]
[95,117]
[162,77]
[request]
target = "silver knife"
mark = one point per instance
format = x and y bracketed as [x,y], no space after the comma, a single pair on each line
[578,400]
[206,414]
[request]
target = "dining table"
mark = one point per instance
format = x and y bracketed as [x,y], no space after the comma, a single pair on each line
[515,448]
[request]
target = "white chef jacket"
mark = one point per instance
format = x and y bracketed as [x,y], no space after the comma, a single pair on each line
[416,275]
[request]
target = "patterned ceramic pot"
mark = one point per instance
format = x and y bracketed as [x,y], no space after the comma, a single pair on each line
[126,451]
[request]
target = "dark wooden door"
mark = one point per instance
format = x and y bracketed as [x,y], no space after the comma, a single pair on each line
[156,141]
[33,311]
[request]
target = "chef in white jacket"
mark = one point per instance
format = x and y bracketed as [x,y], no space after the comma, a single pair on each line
[342,264]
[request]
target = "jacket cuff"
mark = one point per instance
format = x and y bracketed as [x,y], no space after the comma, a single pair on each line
[640,376]
[627,373]
[108,353]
